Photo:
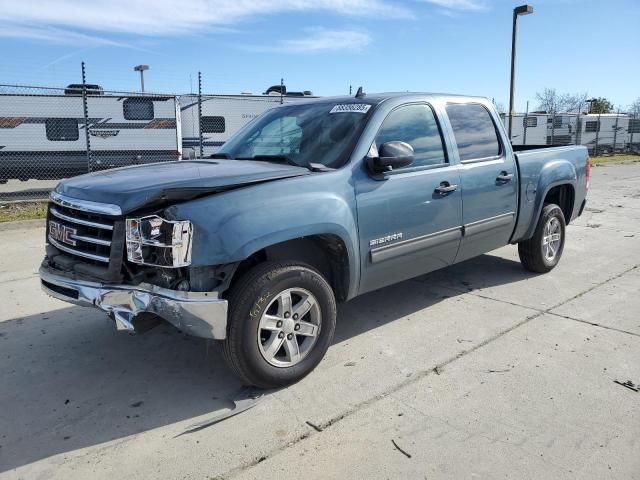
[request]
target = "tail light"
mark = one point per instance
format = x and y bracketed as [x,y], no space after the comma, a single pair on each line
[588,172]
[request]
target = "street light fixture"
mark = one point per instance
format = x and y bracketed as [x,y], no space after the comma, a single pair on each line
[141,69]
[521,10]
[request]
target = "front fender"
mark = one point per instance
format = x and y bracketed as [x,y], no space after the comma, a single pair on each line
[231,226]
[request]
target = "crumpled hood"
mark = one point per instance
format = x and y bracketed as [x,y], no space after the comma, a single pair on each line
[146,185]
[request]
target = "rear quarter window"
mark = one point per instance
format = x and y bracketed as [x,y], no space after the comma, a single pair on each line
[475,133]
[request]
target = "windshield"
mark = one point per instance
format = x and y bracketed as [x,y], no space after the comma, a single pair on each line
[300,134]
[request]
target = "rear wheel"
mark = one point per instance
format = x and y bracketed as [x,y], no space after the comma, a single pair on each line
[281,321]
[542,252]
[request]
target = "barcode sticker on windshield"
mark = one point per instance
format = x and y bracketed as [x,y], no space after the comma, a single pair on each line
[351,108]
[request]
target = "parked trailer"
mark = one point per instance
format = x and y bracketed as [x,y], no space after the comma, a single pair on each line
[222,116]
[607,133]
[535,125]
[43,136]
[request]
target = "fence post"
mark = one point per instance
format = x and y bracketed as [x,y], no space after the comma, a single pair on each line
[553,127]
[615,131]
[200,114]
[281,88]
[85,110]
[631,128]
[597,136]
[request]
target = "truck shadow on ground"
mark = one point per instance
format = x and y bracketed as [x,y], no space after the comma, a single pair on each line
[70,381]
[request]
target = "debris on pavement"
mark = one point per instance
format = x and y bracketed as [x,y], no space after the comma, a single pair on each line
[629,384]
[404,452]
[314,426]
[350,364]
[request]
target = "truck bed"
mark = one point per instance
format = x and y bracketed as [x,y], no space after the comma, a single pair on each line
[541,168]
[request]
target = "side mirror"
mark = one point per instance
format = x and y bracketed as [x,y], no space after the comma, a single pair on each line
[391,155]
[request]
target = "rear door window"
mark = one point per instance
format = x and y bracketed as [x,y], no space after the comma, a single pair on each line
[62,129]
[475,133]
[137,109]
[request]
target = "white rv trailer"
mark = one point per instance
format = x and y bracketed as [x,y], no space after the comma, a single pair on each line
[535,125]
[571,128]
[43,136]
[608,131]
[222,116]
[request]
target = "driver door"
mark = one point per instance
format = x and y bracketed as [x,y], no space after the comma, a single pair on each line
[408,223]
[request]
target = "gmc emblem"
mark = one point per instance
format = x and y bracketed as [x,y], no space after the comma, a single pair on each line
[62,233]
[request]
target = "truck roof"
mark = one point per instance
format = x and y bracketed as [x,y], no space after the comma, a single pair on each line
[376,98]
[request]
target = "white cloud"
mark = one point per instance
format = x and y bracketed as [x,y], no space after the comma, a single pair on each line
[458,4]
[167,17]
[55,35]
[319,40]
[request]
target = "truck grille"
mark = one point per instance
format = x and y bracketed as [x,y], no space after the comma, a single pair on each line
[81,234]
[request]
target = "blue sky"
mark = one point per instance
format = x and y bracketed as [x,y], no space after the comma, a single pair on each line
[458,46]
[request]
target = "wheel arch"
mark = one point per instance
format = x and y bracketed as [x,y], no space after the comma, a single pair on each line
[563,195]
[326,252]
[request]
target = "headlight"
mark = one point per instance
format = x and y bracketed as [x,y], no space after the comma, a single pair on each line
[162,243]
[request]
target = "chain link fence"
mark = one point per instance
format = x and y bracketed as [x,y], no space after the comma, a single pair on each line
[47,134]
[602,134]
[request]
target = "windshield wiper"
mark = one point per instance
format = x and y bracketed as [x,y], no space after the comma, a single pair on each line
[272,158]
[314,167]
[220,155]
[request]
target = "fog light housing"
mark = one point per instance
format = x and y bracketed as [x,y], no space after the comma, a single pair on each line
[154,241]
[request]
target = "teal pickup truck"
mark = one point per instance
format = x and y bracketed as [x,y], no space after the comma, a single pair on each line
[307,205]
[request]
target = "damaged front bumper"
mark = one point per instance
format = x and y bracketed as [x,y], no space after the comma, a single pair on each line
[201,314]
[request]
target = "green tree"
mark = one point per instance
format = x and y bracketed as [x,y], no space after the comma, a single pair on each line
[600,105]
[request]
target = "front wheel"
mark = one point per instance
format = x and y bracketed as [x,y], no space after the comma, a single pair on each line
[542,252]
[281,322]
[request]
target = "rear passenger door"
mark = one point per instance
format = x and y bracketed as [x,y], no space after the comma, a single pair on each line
[489,180]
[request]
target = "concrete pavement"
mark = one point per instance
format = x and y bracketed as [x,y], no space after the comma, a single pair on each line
[481,370]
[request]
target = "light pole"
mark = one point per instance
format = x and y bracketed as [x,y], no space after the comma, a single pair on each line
[521,10]
[141,69]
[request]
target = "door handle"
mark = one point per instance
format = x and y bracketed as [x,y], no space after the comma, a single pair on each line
[445,188]
[504,177]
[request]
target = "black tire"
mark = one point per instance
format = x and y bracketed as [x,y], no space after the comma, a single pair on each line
[248,300]
[531,252]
